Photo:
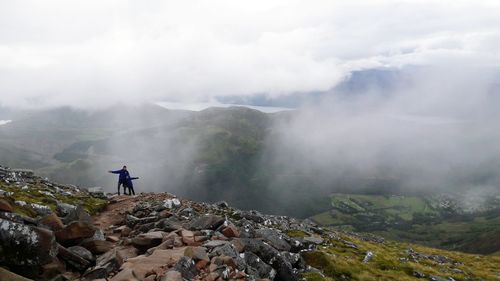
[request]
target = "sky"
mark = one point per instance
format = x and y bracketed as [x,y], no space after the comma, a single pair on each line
[96,53]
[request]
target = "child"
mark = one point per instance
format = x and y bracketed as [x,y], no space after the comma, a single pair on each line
[130,185]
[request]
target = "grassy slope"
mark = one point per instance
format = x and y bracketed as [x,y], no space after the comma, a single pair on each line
[33,194]
[392,262]
[413,219]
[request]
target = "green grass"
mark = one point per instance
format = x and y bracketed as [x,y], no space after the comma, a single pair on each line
[413,219]
[33,195]
[339,262]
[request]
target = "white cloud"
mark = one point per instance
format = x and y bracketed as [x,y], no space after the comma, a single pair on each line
[96,52]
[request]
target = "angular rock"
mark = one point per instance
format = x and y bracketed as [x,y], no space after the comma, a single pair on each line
[284,270]
[222,204]
[77,214]
[14,217]
[82,252]
[172,275]
[73,258]
[168,224]
[188,238]
[52,221]
[273,237]
[186,267]
[225,250]
[257,268]
[41,210]
[52,270]
[5,206]
[26,245]
[231,231]
[196,253]
[97,246]
[215,243]
[75,232]
[313,240]
[159,259]
[206,222]
[261,249]
[126,275]
[64,209]
[145,241]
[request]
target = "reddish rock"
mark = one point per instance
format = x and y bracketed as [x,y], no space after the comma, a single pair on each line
[75,231]
[52,269]
[231,231]
[197,253]
[201,264]
[123,230]
[187,237]
[172,275]
[165,214]
[123,254]
[142,265]
[5,206]
[238,245]
[97,246]
[112,238]
[125,275]
[148,240]
[201,238]
[52,221]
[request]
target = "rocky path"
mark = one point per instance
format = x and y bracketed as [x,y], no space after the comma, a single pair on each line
[114,213]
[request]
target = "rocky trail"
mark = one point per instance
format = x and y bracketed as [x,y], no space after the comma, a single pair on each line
[47,232]
[150,236]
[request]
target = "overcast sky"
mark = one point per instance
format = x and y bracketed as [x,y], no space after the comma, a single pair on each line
[88,53]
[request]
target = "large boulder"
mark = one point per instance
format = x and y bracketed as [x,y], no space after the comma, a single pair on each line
[97,246]
[186,267]
[77,214]
[52,222]
[274,238]
[75,232]
[256,268]
[26,245]
[75,257]
[148,240]
[157,261]
[206,222]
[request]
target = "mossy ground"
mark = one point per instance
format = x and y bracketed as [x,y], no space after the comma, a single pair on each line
[35,194]
[338,261]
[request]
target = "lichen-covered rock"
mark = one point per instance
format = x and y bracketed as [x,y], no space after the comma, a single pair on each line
[26,245]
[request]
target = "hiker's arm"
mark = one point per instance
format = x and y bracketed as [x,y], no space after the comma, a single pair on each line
[134,178]
[115,172]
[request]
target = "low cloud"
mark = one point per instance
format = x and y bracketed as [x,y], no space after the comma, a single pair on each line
[90,53]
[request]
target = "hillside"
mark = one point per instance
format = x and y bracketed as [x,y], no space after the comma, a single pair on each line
[438,221]
[193,154]
[160,237]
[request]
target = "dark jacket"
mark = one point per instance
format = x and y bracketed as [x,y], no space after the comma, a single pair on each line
[124,175]
[129,180]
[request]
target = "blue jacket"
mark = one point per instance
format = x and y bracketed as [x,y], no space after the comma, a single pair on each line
[124,175]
